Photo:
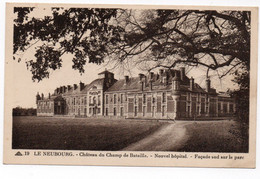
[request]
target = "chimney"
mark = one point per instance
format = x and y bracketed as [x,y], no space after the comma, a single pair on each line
[61,90]
[151,75]
[38,97]
[64,89]
[182,70]
[58,90]
[69,87]
[207,85]
[75,86]
[191,84]
[81,86]
[49,95]
[126,79]
[141,76]
[42,96]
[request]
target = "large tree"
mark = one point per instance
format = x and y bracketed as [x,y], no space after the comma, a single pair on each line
[216,40]
[83,32]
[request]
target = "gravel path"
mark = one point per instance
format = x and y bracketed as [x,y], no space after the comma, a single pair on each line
[167,138]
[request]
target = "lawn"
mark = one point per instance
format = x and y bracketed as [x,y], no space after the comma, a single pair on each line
[116,134]
[215,136]
[79,134]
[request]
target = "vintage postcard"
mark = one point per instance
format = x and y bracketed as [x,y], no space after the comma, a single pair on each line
[130,85]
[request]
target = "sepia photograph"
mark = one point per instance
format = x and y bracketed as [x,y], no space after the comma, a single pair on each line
[131,79]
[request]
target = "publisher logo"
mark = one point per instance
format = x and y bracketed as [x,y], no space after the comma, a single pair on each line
[18,154]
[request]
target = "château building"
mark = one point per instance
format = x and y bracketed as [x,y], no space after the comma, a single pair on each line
[167,95]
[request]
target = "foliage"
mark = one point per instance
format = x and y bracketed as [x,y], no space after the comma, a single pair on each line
[18,111]
[213,39]
[83,32]
[164,38]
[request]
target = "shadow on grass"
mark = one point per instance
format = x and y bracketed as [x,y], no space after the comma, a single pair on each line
[216,136]
[78,134]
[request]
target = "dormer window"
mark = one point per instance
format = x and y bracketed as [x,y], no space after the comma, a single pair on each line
[164,80]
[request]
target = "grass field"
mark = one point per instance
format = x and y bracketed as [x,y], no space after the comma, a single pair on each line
[109,134]
[215,136]
[78,134]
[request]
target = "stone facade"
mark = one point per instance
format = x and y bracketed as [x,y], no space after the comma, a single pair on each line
[167,95]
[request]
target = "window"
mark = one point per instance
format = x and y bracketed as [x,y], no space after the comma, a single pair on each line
[225,108]
[74,101]
[144,110]
[164,97]
[106,99]
[89,110]
[135,100]
[231,108]
[114,111]
[163,110]
[106,111]
[114,98]
[188,96]
[90,100]
[121,111]
[153,99]
[122,98]
[219,107]
[85,100]
[99,100]
[144,98]
[94,100]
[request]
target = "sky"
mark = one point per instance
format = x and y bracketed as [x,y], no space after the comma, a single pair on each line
[26,89]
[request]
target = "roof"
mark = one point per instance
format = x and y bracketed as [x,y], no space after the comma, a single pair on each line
[85,89]
[133,84]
